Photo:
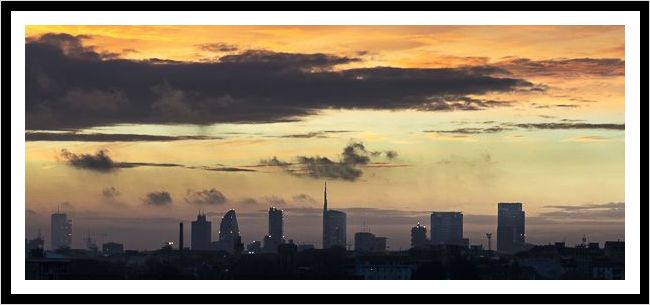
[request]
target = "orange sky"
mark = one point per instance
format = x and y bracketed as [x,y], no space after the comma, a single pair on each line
[435,170]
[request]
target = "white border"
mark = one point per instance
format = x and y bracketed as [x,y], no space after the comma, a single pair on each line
[631,20]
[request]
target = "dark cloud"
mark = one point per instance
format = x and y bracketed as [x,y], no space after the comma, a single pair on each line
[227,169]
[391,154]
[101,137]
[579,100]
[612,210]
[574,67]
[137,164]
[161,198]
[110,193]
[205,197]
[314,134]
[287,60]
[353,156]
[70,45]
[305,135]
[273,162]
[545,106]
[254,86]
[100,161]
[565,124]
[570,126]
[493,129]
[30,212]
[218,47]
[355,153]
[459,102]
[385,164]
[322,167]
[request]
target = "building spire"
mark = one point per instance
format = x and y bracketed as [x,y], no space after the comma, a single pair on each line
[325,198]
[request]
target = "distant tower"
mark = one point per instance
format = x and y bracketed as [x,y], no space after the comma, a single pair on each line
[419,236]
[180,236]
[511,227]
[334,226]
[325,233]
[201,233]
[275,225]
[275,236]
[489,238]
[61,231]
[229,237]
[446,228]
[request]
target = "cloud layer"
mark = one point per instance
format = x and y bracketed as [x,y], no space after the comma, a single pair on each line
[71,85]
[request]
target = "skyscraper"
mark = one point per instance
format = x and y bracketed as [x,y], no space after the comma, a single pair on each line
[275,237]
[446,228]
[334,226]
[201,233]
[229,238]
[61,231]
[419,236]
[275,224]
[229,228]
[511,230]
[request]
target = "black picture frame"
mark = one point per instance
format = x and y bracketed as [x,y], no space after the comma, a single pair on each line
[8,7]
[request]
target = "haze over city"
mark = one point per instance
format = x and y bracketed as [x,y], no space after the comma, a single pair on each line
[133,129]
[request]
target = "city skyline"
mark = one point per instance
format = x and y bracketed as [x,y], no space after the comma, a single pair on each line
[133,129]
[446,228]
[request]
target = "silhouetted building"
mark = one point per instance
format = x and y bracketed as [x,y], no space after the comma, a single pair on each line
[275,224]
[275,236]
[180,236]
[112,248]
[447,228]
[419,236]
[368,242]
[229,238]
[334,226]
[201,233]
[511,230]
[61,231]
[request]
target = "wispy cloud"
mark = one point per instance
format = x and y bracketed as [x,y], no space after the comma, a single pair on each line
[611,210]
[158,198]
[570,126]
[99,137]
